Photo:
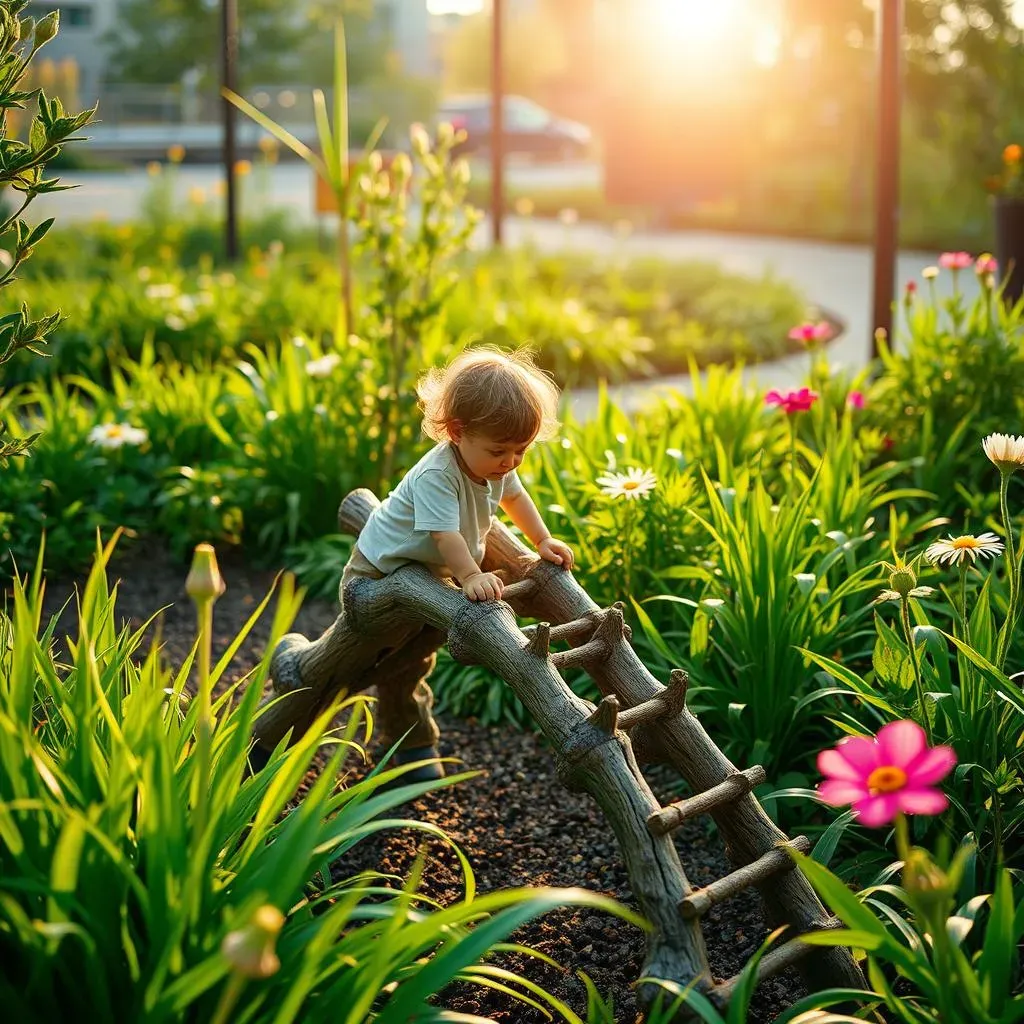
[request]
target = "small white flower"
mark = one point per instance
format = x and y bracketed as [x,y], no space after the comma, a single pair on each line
[566,443]
[324,366]
[175,322]
[272,414]
[299,341]
[634,483]
[1005,450]
[185,304]
[958,550]
[713,602]
[114,435]
[320,409]
[674,453]
[621,438]
[930,273]
[161,291]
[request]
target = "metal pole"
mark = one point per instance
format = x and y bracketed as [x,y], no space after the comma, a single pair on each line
[229,79]
[497,124]
[887,179]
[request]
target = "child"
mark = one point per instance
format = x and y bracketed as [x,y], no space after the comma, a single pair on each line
[484,411]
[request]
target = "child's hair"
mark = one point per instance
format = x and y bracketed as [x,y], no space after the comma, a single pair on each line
[493,393]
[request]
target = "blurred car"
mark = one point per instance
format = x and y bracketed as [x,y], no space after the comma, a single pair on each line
[529,128]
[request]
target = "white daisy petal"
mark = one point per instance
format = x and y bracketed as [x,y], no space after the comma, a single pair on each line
[634,483]
[1005,450]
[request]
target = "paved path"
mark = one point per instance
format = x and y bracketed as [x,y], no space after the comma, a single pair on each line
[837,277]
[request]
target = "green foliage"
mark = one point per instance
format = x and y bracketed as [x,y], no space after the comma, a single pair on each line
[121,902]
[23,169]
[927,961]
[947,380]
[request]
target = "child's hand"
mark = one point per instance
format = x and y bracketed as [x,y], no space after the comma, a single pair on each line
[555,551]
[483,586]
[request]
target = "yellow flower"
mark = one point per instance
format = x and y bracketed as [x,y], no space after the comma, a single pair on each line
[176,153]
[524,206]
[242,168]
[153,168]
[197,195]
[1012,154]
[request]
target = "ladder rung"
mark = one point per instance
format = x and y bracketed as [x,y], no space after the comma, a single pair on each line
[772,863]
[734,787]
[670,700]
[772,963]
[520,589]
[575,632]
[578,656]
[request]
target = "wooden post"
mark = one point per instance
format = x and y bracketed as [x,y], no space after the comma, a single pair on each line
[887,181]
[497,124]
[229,79]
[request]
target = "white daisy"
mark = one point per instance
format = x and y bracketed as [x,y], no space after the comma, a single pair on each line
[1005,450]
[634,483]
[114,435]
[324,366]
[957,550]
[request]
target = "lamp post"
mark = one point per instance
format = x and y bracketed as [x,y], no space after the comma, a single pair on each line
[229,80]
[497,124]
[887,178]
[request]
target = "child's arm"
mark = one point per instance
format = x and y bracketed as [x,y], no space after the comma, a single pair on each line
[476,584]
[523,512]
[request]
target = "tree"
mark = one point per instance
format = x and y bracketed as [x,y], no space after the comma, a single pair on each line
[280,42]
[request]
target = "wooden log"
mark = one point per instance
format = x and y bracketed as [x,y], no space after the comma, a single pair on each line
[773,863]
[572,633]
[670,701]
[776,960]
[731,789]
[592,755]
[748,833]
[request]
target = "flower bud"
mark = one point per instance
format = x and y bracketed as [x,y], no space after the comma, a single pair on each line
[420,140]
[461,172]
[925,880]
[445,134]
[903,580]
[250,950]
[401,167]
[375,162]
[204,582]
[46,28]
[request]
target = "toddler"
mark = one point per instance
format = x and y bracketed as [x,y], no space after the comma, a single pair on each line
[484,410]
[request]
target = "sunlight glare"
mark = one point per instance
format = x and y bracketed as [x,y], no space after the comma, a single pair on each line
[696,21]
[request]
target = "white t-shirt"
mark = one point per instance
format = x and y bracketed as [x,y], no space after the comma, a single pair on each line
[434,496]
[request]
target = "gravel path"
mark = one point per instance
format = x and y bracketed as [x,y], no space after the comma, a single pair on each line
[515,822]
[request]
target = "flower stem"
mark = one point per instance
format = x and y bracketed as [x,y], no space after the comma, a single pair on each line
[228,998]
[204,726]
[908,633]
[792,456]
[1012,571]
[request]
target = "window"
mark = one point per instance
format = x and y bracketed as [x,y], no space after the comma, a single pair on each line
[71,15]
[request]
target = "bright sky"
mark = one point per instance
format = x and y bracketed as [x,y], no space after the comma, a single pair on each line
[472,6]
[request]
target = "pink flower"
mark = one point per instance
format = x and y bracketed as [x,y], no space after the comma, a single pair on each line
[887,775]
[810,333]
[911,289]
[855,399]
[792,401]
[956,260]
[986,264]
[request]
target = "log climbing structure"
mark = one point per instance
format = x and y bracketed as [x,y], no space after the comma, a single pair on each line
[598,749]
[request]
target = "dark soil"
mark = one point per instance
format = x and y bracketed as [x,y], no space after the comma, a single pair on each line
[516,824]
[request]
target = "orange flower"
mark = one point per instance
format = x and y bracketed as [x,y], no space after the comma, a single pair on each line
[1012,154]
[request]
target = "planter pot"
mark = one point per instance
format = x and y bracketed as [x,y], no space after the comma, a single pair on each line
[1009,218]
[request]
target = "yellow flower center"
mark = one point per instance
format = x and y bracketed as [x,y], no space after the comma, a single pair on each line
[966,543]
[630,485]
[114,430]
[887,779]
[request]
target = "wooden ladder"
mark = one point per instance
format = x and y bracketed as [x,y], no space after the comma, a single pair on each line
[598,749]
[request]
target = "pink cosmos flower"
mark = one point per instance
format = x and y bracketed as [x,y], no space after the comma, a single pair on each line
[810,333]
[855,399]
[792,401]
[956,260]
[881,777]
[986,264]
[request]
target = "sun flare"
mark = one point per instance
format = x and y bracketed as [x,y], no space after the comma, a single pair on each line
[698,21]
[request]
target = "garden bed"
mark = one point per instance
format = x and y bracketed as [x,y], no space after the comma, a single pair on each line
[517,825]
